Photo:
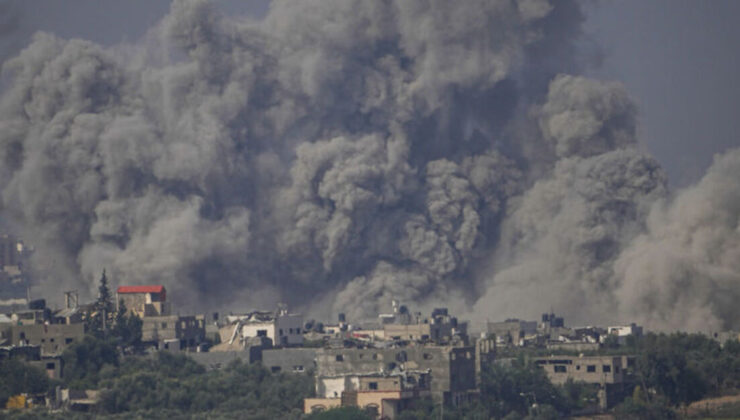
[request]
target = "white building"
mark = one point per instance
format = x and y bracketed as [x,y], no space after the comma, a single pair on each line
[282,327]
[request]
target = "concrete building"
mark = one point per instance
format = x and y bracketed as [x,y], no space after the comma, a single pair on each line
[609,373]
[512,331]
[189,331]
[282,327]
[624,331]
[452,369]
[381,395]
[144,300]
[53,339]
[291,360]
[591,369]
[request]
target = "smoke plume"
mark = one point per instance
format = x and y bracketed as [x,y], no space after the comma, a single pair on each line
[337,154]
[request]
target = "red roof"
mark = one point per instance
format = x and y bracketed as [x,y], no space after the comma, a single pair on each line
[141,289]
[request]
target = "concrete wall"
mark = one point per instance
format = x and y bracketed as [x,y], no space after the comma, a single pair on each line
[593,370]
[296,360]
[188,329]
[53,338]
[452,369]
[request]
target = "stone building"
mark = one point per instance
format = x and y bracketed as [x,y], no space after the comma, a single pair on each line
[452,369]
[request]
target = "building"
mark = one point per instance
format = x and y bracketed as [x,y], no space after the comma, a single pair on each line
[512,331]
[609,373]
[144,300]
[295,360]
[381,395]
[163,331]
[624,331]
[452,369]
[282,327]
[53,339]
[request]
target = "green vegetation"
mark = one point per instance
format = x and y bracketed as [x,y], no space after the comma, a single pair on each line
[18,377]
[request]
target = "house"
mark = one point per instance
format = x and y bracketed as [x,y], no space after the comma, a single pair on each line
[382,395]
[452,369]
[144,300]
[282,327]
[295,360]
[173,332]
[53,339]
[607,372]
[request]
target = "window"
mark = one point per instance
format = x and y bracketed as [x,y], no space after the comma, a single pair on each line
[616,369]
[23,336]
[68,340]
[51,340]
[164,325]
[340,358]
[578,367]
[261,333]
[606,368]
[427,356]
[275,369]
[591,368]
[281,331]
[43,340]
[290,331]
[560,369]
[373,386]
[50,366]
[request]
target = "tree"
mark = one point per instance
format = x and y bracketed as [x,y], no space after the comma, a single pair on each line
[104,315]
[127,327]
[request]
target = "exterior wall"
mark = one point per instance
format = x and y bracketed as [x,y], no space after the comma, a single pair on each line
[296,360]
[190,330]
[144,304]
[320,404]
[289,330]
[254,329]
[53,338]
[51,365]
[284,330]
[452,369]
[593,370]
[514,330]
[407,332]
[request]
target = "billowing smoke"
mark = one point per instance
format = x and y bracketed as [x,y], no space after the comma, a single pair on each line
[337,154]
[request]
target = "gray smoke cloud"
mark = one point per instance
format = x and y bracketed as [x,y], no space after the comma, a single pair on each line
[337,154]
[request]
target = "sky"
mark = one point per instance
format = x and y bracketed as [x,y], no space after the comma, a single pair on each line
[678,59]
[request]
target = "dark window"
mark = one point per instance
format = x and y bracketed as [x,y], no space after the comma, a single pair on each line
[340,358]
[290,331]
[275,369]
[164,325]
[51,340]
[68,340]
[606,368]
[591,368]
[560,369]
[427,356]
[373,385]
[281,331]
[616,369]
[372,410]
[261,333]
[43,340]
[50,366]
[23,336]
[578,367]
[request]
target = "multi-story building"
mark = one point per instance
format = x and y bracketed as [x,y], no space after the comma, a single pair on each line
[381,395]
[187,331]
[452,369]
[282,327]
[144,300]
